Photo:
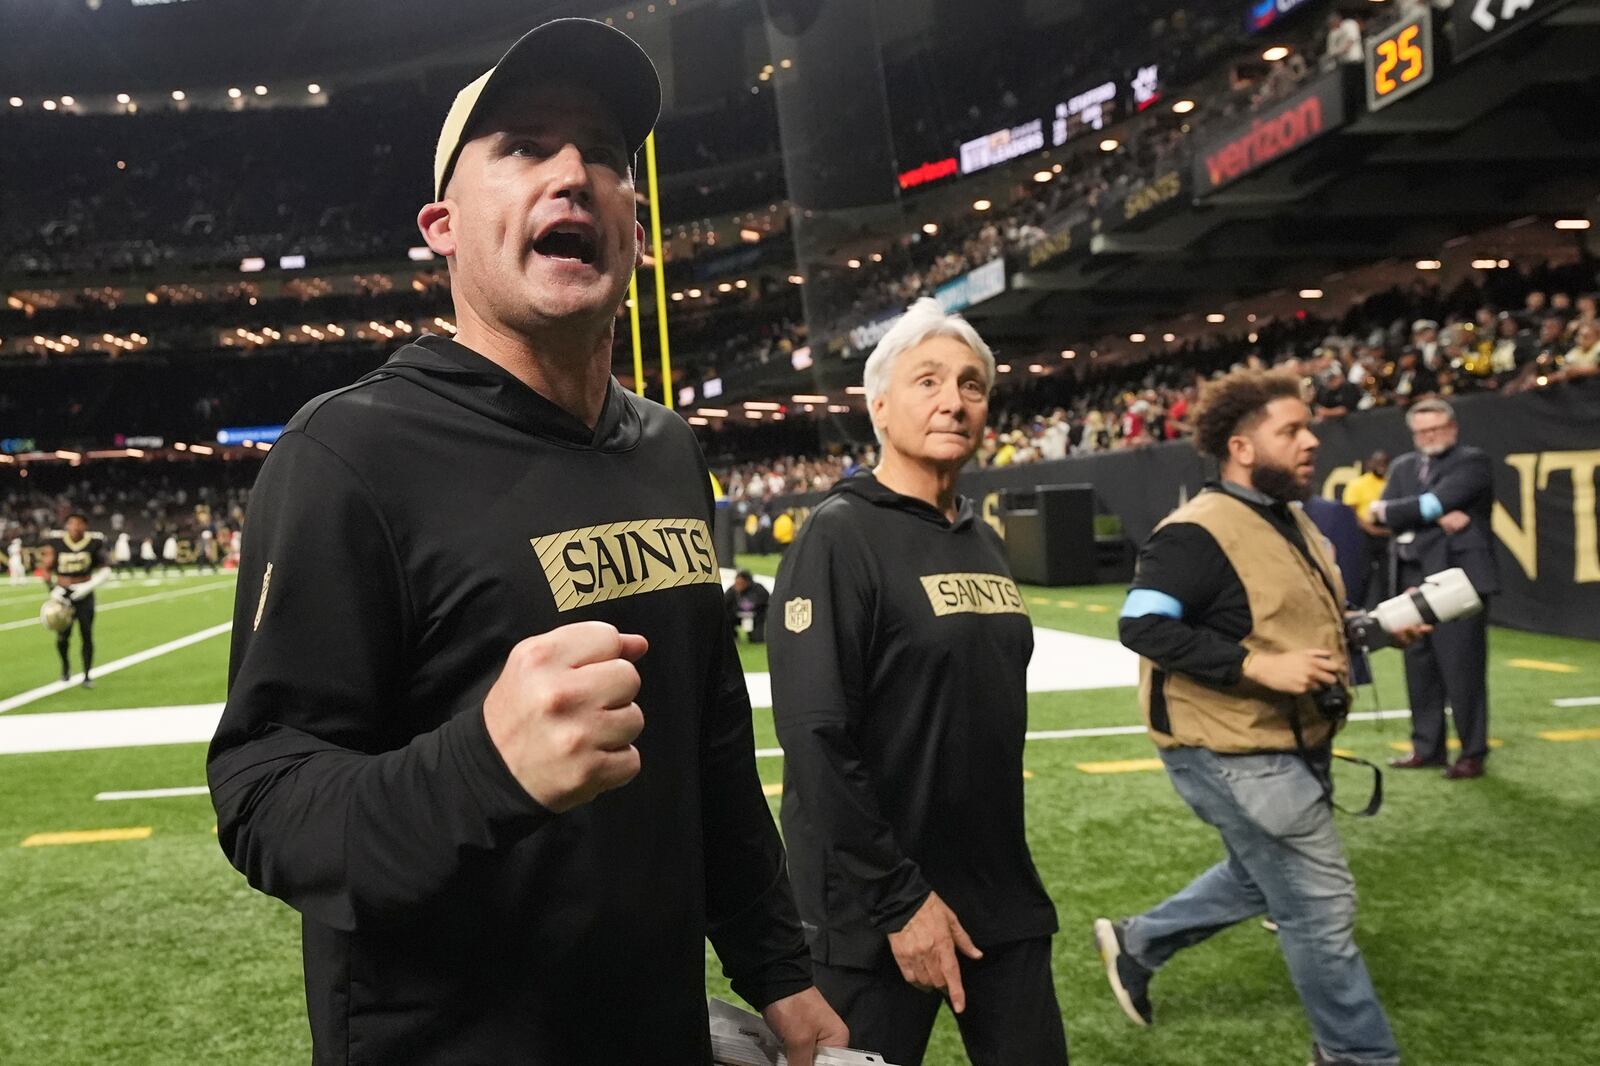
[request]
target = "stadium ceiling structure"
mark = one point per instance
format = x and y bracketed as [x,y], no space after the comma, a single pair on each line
[1511,133]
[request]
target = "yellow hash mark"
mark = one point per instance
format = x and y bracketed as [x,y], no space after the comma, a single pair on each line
[1453,743]
[1570,734]
[1039,600]
[1066,603]
[1345,753]
[1027,775]
[1097,608]
[1540,664]
[774,789]
[86,836]
[1121,766]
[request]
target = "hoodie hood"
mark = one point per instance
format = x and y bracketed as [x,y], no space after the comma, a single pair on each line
[869,488]
[456,373]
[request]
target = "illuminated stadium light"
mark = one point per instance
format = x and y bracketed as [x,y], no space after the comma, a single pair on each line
[749,236]
[124,98]
[73,456]
[856,390]
[291,262]
[877,257]
[1572,223]
[1068,353]
[713,412]
[853,264]
[1428,264]
[981,205]
[1310,294]
[1169,337]
[420,254]
[235,92]
[677,296]
[1485,264]
[314,89]
[49,105]
[696,420]
[252,264]
[1036,368]
[1276,53]
[1505,264]
[725,286]
[261,90]
[1056,169]
[762,405]
[796,279]
[1253,336]
[838,408]
[16,101]
[695,294]
[1182,107]
[1216,317]
[1004,368]
[741,284]
[755,415]
[180,446]
[1043,176]
[1136,338]
[201,449]
[777,416]
[179,95]
[930,228]
[1110,144]
[808,398]
[68,101]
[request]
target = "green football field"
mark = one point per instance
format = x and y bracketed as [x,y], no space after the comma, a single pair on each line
[125,937]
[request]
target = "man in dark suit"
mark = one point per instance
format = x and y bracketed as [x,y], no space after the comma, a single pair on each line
[1438,503]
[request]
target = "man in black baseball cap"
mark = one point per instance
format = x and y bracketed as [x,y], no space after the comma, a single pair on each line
[486,728]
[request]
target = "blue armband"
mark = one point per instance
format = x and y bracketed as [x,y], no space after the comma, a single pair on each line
[1431,507]
[1141,602]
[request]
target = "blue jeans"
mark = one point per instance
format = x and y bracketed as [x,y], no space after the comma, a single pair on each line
[1284,859]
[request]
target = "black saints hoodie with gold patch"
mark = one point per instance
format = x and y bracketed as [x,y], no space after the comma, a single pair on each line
[899,647]
[405,533]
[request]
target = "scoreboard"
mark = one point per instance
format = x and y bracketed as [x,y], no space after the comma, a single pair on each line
[1400,60]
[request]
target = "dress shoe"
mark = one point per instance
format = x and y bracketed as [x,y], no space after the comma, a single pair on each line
[1465,767]
[1416,762]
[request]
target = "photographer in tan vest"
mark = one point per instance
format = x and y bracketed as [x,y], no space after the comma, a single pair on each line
[1237,612]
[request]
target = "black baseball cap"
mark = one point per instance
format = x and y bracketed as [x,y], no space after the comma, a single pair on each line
[573,51]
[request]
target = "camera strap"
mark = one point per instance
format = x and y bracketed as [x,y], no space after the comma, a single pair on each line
[1322,770]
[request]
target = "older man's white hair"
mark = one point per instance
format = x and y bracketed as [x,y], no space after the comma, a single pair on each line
[922,321]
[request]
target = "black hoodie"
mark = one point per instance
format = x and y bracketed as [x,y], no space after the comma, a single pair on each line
[404,534]
[899,647]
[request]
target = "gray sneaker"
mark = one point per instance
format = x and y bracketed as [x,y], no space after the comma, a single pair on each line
[1129,981]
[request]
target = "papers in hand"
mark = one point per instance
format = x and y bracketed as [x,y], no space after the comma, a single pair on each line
[739,1038]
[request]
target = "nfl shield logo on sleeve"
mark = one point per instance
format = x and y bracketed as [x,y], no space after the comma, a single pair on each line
[797,615]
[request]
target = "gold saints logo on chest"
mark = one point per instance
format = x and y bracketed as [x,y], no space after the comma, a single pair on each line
[797,615]
[608,562]
[972,594]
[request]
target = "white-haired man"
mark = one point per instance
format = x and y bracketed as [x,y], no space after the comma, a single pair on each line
[900,698]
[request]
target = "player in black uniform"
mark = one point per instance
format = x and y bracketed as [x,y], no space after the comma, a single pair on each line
[486,728]
[75,565]
[899,659]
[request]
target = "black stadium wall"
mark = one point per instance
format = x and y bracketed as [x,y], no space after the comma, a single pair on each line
[1546,451]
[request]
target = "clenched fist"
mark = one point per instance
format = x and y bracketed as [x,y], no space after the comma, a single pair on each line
[562,714]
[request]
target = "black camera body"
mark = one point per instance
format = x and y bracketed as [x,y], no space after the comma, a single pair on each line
[1332,703]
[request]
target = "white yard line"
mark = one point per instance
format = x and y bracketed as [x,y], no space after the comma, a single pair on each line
[154,793]
[33,695]
[35,587]
[1578,701]
[116,604]
[1119,731]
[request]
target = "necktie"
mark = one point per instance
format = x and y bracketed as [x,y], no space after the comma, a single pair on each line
[1422,476]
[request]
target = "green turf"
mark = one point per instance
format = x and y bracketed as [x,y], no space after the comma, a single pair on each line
[1476,914]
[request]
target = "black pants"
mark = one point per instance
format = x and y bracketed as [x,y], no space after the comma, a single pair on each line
[1449,665]
[1011,1019]
[83,618]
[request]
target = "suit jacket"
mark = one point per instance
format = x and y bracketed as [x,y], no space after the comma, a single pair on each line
[1463,480]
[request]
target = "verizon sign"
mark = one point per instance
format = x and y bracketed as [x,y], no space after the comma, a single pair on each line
[1271,135]
[1481,23]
